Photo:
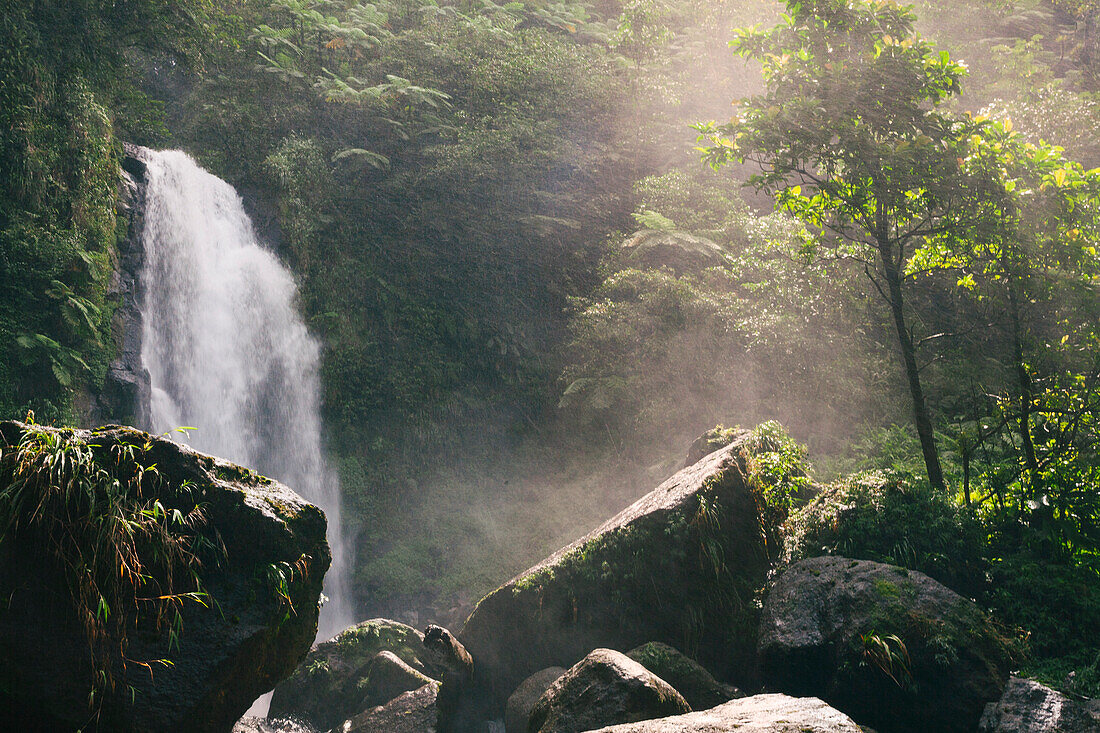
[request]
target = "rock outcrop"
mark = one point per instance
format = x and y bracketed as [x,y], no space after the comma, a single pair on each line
[409,712]
[604,688]
[690,678]
[522,701]
[463,703]
[757,714]
[1029,707]
[334,682]
[387,677]
[247,637]
[126,394]
[678,566]
[891,647]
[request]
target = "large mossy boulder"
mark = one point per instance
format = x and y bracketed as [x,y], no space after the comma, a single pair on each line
[680,566]
[891,647]
[757,714]
[604,688]
[340,677]
[690,678]
[124,497]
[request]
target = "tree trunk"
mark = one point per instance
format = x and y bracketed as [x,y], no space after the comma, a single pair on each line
[923,421]
[1023,383]
[966,477]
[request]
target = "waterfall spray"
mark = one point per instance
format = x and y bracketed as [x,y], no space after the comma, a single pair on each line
[226,350]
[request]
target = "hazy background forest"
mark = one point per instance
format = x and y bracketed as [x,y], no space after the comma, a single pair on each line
[533,294]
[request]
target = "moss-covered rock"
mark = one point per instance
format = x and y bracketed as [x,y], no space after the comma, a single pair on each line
[690,678]
[891,647]
[260,576]
[333,682]
[681,565]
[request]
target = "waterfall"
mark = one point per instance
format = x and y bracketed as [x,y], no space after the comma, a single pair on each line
[226,350]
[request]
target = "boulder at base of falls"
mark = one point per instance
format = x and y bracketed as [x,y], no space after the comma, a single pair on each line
[604,688]
[409,712]
[333,682]
[257,623]
[522,701]
[679,566]
[386,678]
[891,647]
[757,714]
[1029,707]
[690,679]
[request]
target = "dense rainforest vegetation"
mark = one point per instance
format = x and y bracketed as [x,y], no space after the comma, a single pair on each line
[533,292]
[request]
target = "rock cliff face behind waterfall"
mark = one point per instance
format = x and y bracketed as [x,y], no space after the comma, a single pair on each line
[226,350]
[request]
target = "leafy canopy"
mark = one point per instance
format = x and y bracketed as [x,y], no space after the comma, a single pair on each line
[849,134]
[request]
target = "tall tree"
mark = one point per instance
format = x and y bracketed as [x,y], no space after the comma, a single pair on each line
[850,137]
[1032,272]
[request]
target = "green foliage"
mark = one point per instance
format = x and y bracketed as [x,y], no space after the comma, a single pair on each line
[129,560]
[870,517]
[850,137]
[777,465]
[1052,601]
[450,183]
[279,577]
[57,224]
[888,655]
[63,76]
[653,220]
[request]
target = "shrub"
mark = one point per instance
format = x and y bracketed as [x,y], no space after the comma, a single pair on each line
[868,517]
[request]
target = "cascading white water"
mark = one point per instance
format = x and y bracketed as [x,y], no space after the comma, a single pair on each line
[226,350]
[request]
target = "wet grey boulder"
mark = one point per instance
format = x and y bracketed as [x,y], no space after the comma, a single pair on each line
[681,563]
[756,714]
[520,703]
[604,688]
[253,724]
[1029,707]
[386,677]
[230,651]
[409,712]
[333,682]
[690,678]
[891,647]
